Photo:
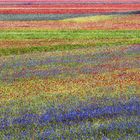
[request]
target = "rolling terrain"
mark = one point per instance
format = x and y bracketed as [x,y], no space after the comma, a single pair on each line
[75,77]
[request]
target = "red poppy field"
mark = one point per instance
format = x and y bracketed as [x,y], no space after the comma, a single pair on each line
[69,9]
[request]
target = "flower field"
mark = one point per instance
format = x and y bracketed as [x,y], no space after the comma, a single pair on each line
[74,78]
[69,9]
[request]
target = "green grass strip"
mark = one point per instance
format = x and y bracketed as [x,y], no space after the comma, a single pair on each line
[18,51]
[77,34]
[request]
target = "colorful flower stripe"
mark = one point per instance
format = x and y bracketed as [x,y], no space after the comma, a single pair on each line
[70,9]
